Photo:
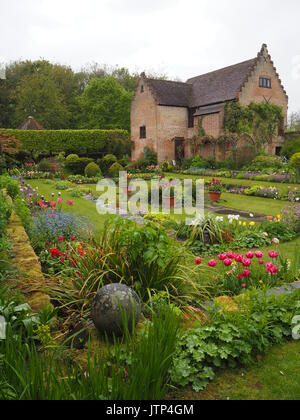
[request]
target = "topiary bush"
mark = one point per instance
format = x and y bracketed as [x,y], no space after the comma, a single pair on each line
[115,169]
[77,165]
[106,163]
[92,170]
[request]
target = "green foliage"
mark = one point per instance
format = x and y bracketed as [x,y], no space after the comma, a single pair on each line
[166,167]
[81,142]
[291,147]
[77,165]
[106,163]
[251,239]
[115,169]
[228,339]
[199,162]
[27,374]
[12,187]
[295,162]
[23,212]
[259,120]
[279,230]
[62,185]
[145,258]
[45,165]
[92,170]
[264,161]
[105,104]
[5,213]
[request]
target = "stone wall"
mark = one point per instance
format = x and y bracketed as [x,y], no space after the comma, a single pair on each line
[30,277]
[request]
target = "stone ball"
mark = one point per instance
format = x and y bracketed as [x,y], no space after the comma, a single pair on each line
[110,305]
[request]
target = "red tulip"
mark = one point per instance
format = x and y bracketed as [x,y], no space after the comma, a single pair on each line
[259,254]
[239,258]
[231,255]
[261,262]
[222,257]
[246,273]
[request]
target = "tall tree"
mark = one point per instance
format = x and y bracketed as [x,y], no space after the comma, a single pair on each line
[105,104]
[38,96]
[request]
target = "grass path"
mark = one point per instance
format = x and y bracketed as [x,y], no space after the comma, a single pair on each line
[275,377]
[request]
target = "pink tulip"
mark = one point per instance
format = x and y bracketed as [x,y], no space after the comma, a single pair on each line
[222,257]
[246,262]
[227,262]
[259,254]
[239,258]
[269,267]
[198,261]
[261,262]
[244,286]
[246,273]
[250,255]
[273,254]
[212,263]
[231,255]
[274,270]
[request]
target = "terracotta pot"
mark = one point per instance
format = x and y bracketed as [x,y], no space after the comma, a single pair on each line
[214,196]
[170,200]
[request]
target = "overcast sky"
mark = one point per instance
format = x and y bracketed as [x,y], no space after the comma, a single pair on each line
[181,38]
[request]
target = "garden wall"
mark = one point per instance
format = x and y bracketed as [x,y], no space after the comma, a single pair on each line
[27,264]
[82,142]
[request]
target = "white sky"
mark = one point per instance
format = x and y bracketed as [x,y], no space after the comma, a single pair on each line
[182,38]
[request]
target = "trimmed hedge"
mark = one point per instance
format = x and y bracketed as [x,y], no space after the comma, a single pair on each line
[81,142]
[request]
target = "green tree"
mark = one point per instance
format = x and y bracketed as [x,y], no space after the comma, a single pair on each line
[38,96]
[105,104]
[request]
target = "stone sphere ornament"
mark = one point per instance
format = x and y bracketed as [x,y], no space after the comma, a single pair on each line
[111,305]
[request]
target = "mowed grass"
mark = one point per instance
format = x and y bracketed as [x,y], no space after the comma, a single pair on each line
[276,376]
[81,206]
[283,187]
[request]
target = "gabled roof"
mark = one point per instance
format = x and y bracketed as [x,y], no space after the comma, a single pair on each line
[31,124]
[221,85]
[208,89]
[171,93]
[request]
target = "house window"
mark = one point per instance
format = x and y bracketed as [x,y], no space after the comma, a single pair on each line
[265,82]
[142,132]
[191,117]
[142,89]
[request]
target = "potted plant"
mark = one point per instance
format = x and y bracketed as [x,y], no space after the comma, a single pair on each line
[170,201]
[215,189]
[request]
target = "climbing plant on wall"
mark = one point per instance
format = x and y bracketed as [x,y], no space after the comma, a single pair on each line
[259,121]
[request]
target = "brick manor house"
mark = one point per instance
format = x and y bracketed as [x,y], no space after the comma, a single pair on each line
[165,114]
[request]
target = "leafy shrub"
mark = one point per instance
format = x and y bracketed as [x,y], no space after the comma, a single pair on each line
[23,212]
[265,161]
[5,213]
[279,230]
[62,185]
[166,167]
[45,165]
[199,162]
[12,186]
[291,147]
[76,164]
[145,258]
[106,163]
[295,162]
[82,142]
[92,170]
[251,239]
[233,338]
[115,169]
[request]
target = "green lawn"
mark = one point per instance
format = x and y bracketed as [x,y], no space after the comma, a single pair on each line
[81,206]
[275,377]
[283,187]
[260,205]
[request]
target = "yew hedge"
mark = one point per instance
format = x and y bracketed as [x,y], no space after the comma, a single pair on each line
[81,142]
